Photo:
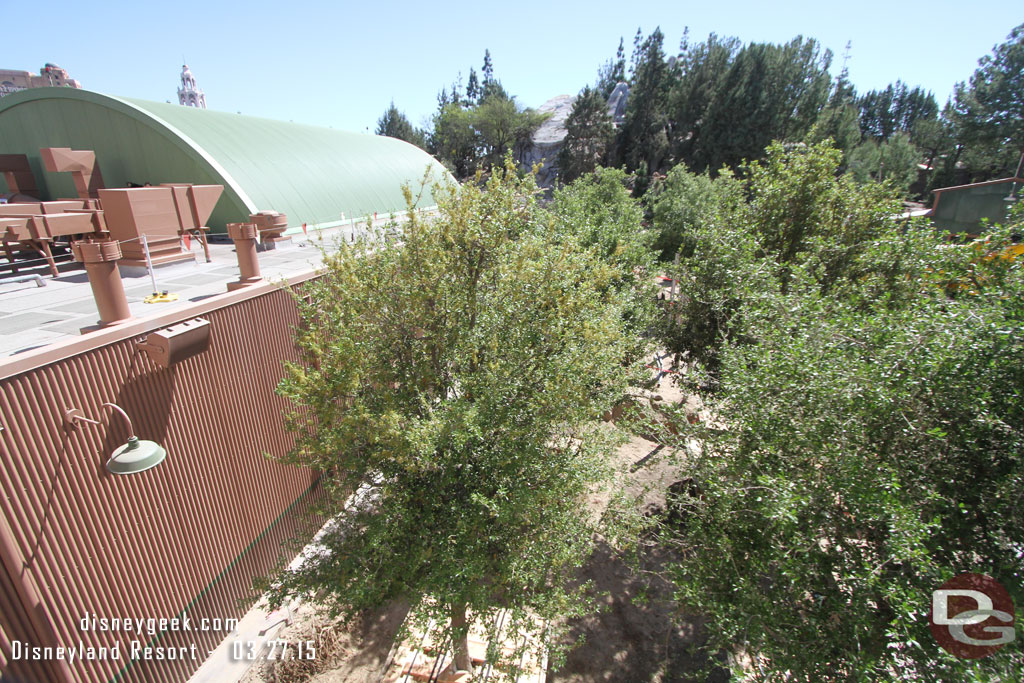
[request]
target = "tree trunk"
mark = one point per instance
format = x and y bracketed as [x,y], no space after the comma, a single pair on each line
[460,639]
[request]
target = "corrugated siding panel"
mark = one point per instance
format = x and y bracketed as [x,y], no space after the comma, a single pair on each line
[188,535]
[15,626]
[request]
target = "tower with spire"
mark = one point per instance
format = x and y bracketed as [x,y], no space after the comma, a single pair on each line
[189,94]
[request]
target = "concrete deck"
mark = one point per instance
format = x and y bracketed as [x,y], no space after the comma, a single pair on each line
[33,316]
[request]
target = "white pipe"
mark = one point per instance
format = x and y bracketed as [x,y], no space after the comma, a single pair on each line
[149,264]
[24,278]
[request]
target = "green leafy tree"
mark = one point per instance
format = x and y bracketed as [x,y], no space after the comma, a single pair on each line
[393,124]
[894,160]
[865,452]
[717,266]
[802,213]
[598,212]
[502,127]
[453,379]
[799,216]
[589,133]
[867,434]
[685,203]
[453,139]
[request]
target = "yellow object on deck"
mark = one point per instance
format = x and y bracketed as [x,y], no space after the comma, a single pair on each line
[160,298]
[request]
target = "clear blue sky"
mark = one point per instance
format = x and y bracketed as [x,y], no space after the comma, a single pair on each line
[339,64]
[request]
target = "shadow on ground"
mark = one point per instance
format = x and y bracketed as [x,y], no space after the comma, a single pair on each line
[633,639]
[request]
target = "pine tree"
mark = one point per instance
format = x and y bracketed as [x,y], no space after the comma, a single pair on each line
[589,132]
[612,72]
[991,108]
[702,66]
[472,88]
[394,124]
[488,68]
[769,92]
[645,131]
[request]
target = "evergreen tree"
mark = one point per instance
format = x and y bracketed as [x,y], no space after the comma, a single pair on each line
[702,67]
[895,109]
[839,120]
[589,132]
[769,92]
[634,58]
[933,137]
[472,88]
[612,73]
[394,124]
[645,130]
[488,68]
[489,85]
[991,108]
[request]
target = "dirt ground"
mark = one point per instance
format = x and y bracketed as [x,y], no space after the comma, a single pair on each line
[637,636]
[346,653]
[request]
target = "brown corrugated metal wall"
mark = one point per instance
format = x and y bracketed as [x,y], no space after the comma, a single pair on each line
[185,537]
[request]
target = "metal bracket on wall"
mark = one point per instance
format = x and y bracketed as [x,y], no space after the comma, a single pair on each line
[176,343]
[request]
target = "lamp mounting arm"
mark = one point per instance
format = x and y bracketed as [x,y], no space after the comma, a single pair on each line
[119,409]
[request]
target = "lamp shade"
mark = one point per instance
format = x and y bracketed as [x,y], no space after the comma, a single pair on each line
[136,456]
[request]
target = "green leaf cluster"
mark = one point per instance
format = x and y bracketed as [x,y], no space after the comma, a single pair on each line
[866,440]
[589,134]
[450,384]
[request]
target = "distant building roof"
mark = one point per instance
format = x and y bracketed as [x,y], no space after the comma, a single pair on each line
[50,75]
[961,208]
[312,174]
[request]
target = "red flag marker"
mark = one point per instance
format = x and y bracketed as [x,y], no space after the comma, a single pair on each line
[304,229]
[188,241]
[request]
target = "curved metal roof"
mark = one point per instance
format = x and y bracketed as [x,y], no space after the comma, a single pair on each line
[315,175]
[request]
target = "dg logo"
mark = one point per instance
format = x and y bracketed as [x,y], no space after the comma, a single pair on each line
[972,616]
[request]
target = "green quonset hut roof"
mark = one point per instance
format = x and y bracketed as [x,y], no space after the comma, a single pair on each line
[313,174]
[963,207]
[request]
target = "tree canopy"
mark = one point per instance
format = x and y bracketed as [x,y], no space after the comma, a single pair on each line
[453,378]
[589,133]
[865,438]
[476,131]
[394,124]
